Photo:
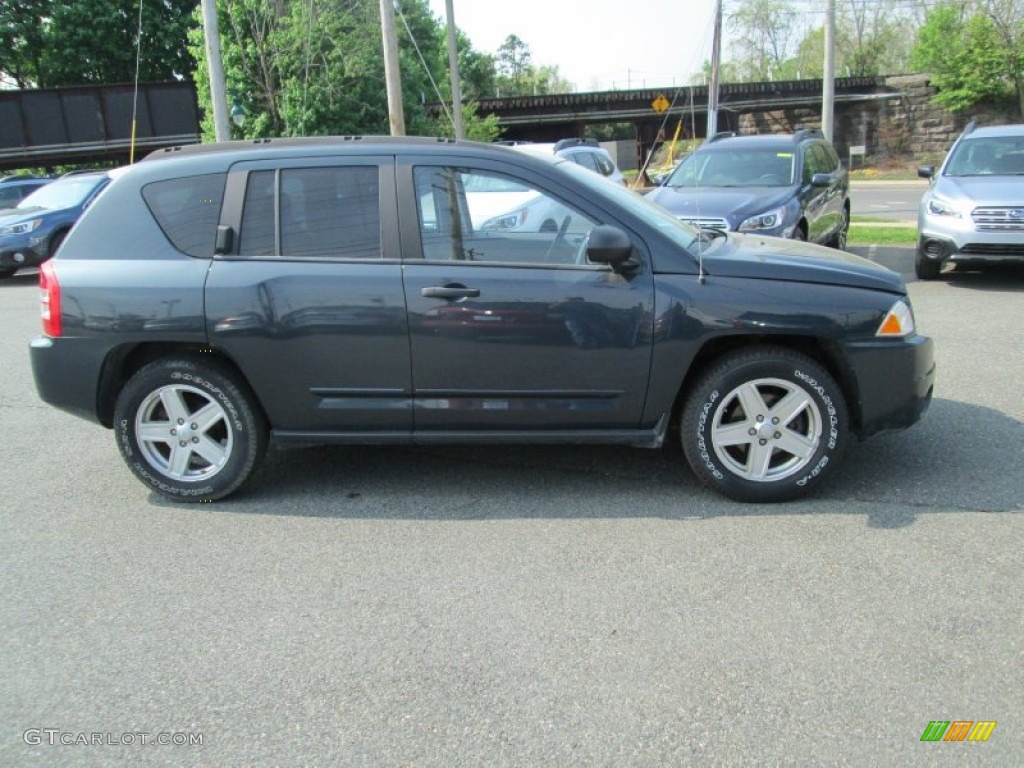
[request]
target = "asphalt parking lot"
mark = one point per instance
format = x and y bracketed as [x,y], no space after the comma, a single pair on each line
[554,606]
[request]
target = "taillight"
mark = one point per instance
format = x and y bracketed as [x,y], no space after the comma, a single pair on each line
[49,299]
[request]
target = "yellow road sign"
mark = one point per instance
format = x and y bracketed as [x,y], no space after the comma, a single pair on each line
[660,104]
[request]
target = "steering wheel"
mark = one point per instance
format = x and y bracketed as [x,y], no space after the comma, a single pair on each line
[559,237]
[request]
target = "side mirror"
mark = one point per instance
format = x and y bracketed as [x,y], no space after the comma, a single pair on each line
[821,179]
[926,171]
[609,245]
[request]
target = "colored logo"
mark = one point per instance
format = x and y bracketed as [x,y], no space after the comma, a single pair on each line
[1016,213]
[958,730]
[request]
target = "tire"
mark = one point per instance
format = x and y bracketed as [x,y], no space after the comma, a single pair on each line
[800,233]
[155,431]
[782,460]
[55,242]
[839,241]
[925,268]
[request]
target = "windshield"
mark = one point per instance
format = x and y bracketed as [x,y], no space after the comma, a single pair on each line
[63,193]
[736,168]
[990,155]
[651,213]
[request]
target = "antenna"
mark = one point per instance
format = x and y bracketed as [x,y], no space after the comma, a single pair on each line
[700,242]
[135,95]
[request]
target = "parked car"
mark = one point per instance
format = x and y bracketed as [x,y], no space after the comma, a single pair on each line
[338,291]
[784,185]
[973,211]
[31,232]
[14,189]
[587,153]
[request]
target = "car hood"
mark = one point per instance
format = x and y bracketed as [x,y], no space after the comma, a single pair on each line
[726,202]
[982,190]
[776,258]
[10,215]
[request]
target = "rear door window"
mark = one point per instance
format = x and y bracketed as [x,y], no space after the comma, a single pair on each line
[313,212]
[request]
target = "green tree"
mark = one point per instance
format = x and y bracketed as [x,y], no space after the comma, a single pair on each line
[965,56]
[316,67]
[763,31]
[514,63]
[50,44]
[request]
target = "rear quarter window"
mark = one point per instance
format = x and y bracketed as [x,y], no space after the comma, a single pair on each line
[188,210]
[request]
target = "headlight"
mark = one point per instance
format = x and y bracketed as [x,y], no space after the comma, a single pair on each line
[21,228]
[898,321]
[939,207]
[512,220]
[769,220]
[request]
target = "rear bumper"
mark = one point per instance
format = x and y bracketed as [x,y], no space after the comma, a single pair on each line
[894,380]
[67,373]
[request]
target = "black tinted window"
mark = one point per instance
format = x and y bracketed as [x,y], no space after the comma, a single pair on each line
[258,232]
[320,212]
[187,210]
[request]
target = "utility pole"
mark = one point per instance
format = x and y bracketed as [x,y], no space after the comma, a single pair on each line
[716,59]
[218,91]
[453,66]
[828,98]
[392,73]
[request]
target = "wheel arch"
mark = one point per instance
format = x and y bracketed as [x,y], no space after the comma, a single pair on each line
[826,353]
[123,362]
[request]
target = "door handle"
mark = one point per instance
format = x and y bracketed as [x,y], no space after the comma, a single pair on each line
[449,292]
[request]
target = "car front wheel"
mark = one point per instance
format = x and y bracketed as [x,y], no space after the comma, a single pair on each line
[188,429]
[765,424]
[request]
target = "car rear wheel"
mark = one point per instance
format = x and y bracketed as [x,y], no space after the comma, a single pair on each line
[764,424]
[189,430]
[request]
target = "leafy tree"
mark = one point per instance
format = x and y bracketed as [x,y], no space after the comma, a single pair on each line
[21,40]
[316,67]
[514,63]
[965,56]
[50,44]
[764,32]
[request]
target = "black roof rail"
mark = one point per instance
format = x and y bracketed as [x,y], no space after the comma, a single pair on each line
[721,135]
[22,177]
[566,143]
[802,133]
[81,171]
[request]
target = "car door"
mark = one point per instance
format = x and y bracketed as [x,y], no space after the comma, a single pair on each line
[307,299]
[510,327]
[824,203]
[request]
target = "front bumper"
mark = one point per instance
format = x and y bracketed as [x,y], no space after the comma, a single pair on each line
[894,382]
[18,251]
[958,240]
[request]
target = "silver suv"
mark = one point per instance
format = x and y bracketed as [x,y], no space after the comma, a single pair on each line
[973,211]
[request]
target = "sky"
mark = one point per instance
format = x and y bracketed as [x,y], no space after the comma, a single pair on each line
[597,44]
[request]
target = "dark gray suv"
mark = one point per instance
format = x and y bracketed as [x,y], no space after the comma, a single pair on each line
[350,290]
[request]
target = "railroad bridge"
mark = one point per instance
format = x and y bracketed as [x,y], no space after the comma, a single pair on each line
[93,123]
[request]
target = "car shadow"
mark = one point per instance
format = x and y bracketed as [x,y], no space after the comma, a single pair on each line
[961,457]
[1007,278]
[29,276]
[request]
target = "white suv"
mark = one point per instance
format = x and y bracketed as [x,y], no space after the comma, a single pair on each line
[585,152]
[973,211]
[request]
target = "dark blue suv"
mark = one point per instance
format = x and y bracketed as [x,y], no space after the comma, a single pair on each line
[785,185]
[31,232]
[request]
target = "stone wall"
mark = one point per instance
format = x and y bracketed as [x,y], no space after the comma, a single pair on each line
[900,122]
